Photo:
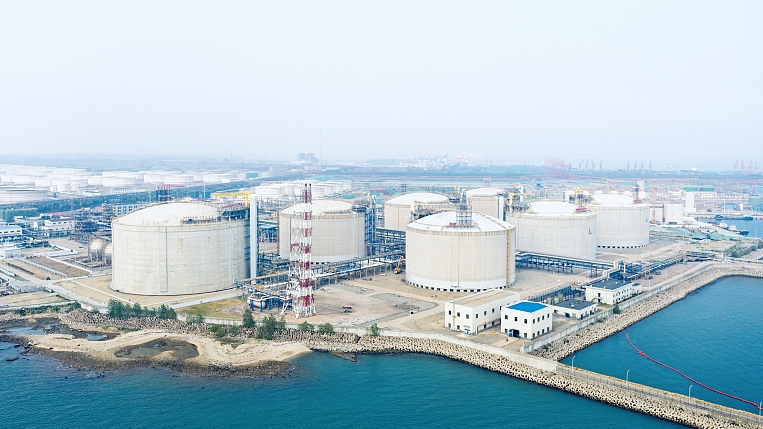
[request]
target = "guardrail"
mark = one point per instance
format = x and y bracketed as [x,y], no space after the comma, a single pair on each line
[698,405]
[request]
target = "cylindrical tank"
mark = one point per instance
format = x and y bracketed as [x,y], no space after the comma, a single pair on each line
[556,228]
[338,231]
[95,250]
[398,211]
[620,223]
[176,249]
[442,255]
[488,201]
[108,253]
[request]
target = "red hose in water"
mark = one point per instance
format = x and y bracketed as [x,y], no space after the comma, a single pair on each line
[689,378]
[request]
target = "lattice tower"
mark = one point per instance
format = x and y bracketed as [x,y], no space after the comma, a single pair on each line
[300,288]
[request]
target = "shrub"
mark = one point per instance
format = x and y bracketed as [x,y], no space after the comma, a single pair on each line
[305,326]
[373,330]
[248,321]
[326,328]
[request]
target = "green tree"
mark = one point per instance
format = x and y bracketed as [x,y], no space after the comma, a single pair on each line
[281,325]
[194,318]
[305,326]
[326,328]
[137,311]
[248,320]
[373,330]
[165,312]
[218,331]
[233,330]
[268,328]
[116,308]
[616,309]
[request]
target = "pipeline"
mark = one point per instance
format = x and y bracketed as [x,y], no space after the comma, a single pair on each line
[689,378]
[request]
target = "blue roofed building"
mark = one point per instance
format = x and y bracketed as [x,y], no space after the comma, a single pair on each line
[526,319]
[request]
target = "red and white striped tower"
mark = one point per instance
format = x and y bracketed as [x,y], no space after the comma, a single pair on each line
[300,288]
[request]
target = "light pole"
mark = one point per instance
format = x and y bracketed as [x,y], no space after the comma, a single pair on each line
[573,364]
[690,391]
[626,375]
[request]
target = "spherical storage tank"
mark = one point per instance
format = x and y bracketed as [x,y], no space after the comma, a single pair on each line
[621,223]
[177,248]
[556,228]
[338,231]
[489,201]
[398,210]
[442,255]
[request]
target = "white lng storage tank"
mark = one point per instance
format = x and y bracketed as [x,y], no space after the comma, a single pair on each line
[176,249]
[398,211]
[338,231]
[621,223]
[556,228]
[442,255]
[488,201]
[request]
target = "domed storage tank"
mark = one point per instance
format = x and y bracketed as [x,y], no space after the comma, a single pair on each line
[442,255]
[620,222]
[108,253]
[556,228]
[338,231]
[398,211]
[176,249]
[488,201]
[95,250]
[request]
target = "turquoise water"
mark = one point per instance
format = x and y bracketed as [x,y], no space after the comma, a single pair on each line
[398,391]
[715,336]
[754,226]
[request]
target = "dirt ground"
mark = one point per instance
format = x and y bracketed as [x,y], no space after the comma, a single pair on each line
[31,298]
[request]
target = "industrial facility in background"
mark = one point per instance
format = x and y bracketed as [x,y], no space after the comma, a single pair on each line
[622,222]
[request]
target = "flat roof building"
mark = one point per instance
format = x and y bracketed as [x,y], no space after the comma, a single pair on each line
[475,313]
[611,291]
[574,308]
[10,231]
[526,320]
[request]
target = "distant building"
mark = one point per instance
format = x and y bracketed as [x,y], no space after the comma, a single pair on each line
[10,231]
[574,308]
[526,319]
[9,251]
[475,313]
[611,291]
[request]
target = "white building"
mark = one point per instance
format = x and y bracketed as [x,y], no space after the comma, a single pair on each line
[9,251]
[611,291]
[10,231]
[574,308]
[526,319]
[475,313]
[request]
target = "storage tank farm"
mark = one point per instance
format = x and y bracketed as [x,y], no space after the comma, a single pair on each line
[442,254]
[488,201]
[555,228]
[399,211]
[621,221]
[338,231]
[178,248]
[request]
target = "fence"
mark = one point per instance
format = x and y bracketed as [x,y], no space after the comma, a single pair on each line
[663,395]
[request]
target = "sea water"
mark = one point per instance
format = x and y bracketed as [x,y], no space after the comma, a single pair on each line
[714,336]
[381,391]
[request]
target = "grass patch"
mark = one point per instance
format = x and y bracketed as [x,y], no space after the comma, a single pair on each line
[214,308]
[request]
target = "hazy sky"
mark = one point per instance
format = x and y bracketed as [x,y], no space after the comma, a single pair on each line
[670,81]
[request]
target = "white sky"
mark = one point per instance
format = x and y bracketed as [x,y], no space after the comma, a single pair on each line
[671,81]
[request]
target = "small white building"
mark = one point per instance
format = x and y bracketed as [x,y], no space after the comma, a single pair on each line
[611,291]
[475,313]
[574,308]
[9,251]
[526,319]
[10,231]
